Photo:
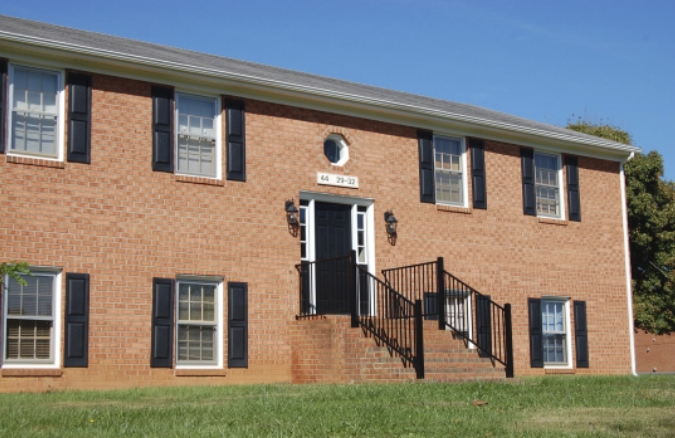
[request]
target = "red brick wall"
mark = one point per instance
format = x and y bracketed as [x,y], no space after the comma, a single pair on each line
[654,353]
[124,224]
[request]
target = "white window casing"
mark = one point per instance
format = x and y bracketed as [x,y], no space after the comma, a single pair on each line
[548,177]
[556,335]
[198,136]
[199,323]
[31,321]
[450,175]
[35,116]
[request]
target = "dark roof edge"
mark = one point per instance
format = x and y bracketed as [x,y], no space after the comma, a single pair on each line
[585,140]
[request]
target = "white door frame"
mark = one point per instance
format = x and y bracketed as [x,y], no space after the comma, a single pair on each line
[368,203]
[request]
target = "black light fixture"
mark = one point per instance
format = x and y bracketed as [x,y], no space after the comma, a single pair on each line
[392,223]
[291,213]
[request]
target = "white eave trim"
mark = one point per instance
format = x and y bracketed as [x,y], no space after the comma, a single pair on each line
[270,83]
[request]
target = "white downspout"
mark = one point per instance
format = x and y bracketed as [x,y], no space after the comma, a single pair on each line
[626,247]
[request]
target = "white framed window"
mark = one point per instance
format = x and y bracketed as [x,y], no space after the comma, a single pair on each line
[361,236]
[304,230]
[450,170]
[548,184]
[336,149]
[555,316]
[31,332]
[199,323]
[36,102]
[198,136]
[458,311]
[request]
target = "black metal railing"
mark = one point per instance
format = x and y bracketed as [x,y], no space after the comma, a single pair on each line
[325,286]
[394,320]
[334,287]
[415,282]
[393,310]
[478,320]
[473,317]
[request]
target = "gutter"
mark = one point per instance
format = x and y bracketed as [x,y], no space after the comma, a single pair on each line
[626,247]
[255,80]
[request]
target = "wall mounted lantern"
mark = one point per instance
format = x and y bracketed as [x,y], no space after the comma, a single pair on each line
[291,213]
[392,223]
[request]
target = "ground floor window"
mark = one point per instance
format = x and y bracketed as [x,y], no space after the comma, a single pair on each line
[30,317]
[458,311]
[197,322]
[555,331]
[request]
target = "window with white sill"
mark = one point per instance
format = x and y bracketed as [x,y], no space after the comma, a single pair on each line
[35,112]
[30,315]
[198,322]
[197,136]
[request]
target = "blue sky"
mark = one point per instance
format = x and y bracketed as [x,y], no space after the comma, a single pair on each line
[610,61]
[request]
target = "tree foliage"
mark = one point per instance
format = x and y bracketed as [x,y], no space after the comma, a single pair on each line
[14,270]
[610,132]
[651,223]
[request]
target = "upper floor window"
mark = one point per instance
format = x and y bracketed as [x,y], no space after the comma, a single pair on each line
[34,115]
[30,314]
[449,170]
[335,148]
[197,136]
[547,184]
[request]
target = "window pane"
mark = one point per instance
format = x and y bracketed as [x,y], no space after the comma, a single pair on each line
[196,136]
[555,337]
[196,343]
[33,299]
[34,107]
[547,185]
[28,339]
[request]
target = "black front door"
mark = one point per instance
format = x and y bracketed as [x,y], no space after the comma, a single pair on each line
[333,239]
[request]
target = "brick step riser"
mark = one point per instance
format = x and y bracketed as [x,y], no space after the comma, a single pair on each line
[366,359]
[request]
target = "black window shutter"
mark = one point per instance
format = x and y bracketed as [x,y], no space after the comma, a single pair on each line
[3,103]
[79,118]
[527,163]
[581,333]
[426,152]
[478,173]
[484,325]
[76,346]
[573,188]
[162,323]
[236,140]
[237,339]
[162,129]
[536,333]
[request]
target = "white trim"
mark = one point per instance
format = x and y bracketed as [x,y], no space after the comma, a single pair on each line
[220,327]
[59,139]
[629,282]
[568,332]
[343,146]
[562,187]
[465,176]
[55,346]
[295,91]
[312,198]
[217,125]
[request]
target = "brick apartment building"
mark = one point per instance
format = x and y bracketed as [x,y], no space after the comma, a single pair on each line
[192,219]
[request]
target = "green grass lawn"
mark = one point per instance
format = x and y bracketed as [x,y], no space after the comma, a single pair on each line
[555,406]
